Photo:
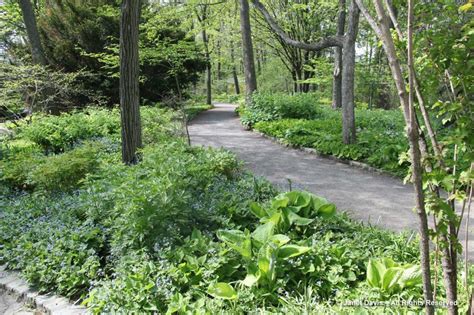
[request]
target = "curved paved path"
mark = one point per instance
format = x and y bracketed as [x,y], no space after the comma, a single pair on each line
[379,199]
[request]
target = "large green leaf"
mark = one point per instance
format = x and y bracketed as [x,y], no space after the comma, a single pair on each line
[263,232]
[410,277]
[251,279]
[280,201]
[222,290]
[298,199]
[275,217]
[375,271]
[295,219]
[237,240]
[318,202]
[327,210]
[390,279]
[258,210]
[280,239]
[288,251]
[267,260]
[389,263]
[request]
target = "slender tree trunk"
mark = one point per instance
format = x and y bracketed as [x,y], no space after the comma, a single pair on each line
[382,31]
[337,73]
[259,65]
[129,87]
[305,74]
[348,71]
[29,19]
[234,68]
[371,86]
[247,51]
[208,68]
[295,81]
[219,64]
[449,252]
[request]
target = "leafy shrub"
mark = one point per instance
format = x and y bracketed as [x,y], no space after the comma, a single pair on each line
[57,134]
[16,168]
[268,107]
[31,170]
[65,171]
[159,200]
[135,286]
[267,246]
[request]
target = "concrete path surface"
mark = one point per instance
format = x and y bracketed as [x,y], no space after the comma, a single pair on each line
[9,305]
[376,198]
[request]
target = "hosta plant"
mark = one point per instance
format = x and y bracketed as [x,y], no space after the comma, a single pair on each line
[390,277]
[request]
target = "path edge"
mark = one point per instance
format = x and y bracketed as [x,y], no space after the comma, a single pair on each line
[11,282]
[312,151]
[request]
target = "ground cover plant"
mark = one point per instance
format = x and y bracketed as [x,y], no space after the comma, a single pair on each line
[186,230]
[117,209]
[301,121]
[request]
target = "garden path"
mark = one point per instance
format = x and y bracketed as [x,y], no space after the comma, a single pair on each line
[9,305]
[374,198]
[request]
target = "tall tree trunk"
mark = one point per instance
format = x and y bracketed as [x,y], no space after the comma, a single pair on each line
[234,68]
[305,73]
[337,73]
[259,65]
[348,71]
[295,81]
[29,19]
[129,87]
[208,68]
[247,51]
[371,85]
[382,31]
[219,64]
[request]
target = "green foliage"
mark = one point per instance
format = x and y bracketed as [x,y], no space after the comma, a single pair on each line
[185,230]
[390,277]
[268,107]
[274,77]
[57,134]
[381,138]
[45,89]
[32,170]
[222,290]
[48,239]
[65,171]
[83,38]
[133,287]
[16,167]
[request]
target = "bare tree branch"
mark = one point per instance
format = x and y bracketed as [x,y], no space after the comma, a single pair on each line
[331,41]
[375,27]
[391,13]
